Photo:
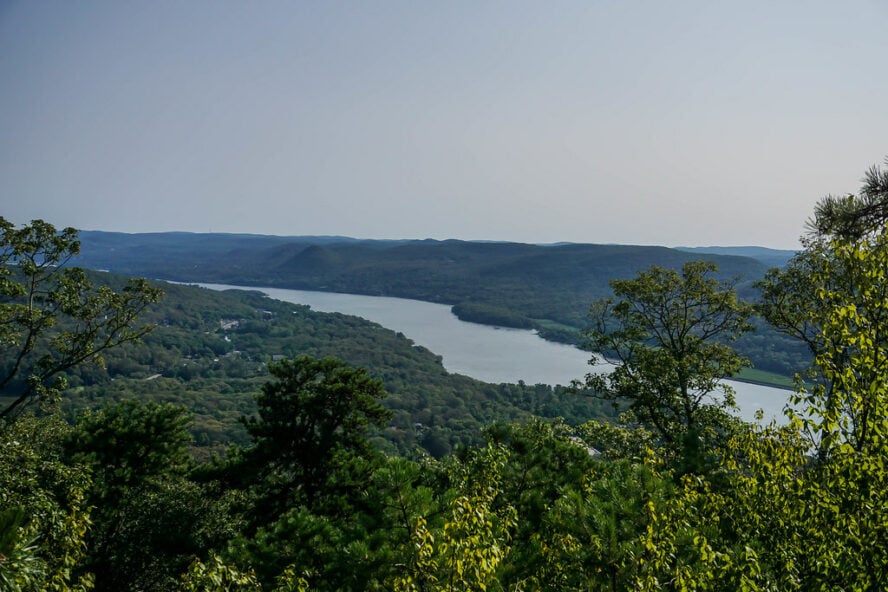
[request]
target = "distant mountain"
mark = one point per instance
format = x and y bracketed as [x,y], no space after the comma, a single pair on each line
[549,286]
[190,256]
[449,271]
[770,257]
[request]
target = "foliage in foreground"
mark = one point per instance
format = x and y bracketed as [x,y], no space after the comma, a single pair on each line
[114,503]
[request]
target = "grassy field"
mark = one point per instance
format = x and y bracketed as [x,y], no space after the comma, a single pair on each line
[765,378]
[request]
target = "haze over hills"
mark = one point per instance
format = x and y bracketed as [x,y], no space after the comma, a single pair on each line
[770,257]
[449,271]
[203,254]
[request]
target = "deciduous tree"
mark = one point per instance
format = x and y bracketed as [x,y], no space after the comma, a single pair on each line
[52,317]
[801,507]
[44,512]
[667,335]
[832,296]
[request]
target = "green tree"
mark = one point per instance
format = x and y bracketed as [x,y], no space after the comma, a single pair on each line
[592,531]
[615,442]
[217,576]
[666,333]
[838,273]
[801,507]
[360,548]
[130,442]
[44,512]
[848,407]
[853,217]
[544,460]
[148,519]
[471,548]
[52,317]
[313,420]
[772,520]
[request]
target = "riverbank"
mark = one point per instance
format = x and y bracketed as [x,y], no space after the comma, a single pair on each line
[490,354]
[763,378]
[557,333]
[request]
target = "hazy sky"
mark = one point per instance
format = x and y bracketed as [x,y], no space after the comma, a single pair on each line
[675,123]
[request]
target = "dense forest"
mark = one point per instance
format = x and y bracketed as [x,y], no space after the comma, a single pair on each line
[210,351]
[109,482]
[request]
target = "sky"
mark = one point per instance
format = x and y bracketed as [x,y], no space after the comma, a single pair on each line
[640,122]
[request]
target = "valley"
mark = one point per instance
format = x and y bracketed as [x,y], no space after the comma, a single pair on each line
[547,288]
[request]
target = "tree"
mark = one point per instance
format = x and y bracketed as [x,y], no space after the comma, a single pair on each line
[575,511]
[44,511]
[312,419]
[778,517]
[52,317]
[848,406]
[802,506]
[592,531]
[852,217]
[474,543]
[148,518]
[667,334]
[217,576]
[837,281]
[130,442]
[788,301]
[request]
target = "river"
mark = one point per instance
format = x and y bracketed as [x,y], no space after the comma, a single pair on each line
[491,354]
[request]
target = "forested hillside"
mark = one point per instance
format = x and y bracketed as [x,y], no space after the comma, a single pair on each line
[547,288]
[210,352]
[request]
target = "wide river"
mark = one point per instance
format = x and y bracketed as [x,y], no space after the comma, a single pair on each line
[491,354]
